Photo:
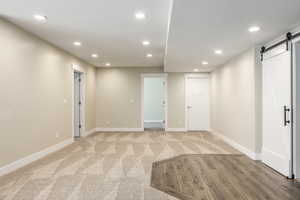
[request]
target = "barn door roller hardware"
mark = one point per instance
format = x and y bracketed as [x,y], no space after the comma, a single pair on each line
[289,37]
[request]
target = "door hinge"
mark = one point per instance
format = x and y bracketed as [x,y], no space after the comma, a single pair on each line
[79,80]
[79,102]
[79,126]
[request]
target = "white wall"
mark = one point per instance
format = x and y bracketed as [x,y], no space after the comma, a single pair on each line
[176,101]
[35,81]
[235,100]
[153,98]
[119,97]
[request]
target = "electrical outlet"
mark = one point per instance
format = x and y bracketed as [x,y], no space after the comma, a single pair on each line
[57,135]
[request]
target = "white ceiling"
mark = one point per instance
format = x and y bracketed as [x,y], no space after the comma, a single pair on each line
[199,26]
[106,27]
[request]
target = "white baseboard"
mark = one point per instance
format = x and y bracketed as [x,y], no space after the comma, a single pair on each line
[258,156]
[33,157]
[153,121]
[119,129]
[248,152]
[176,130]
[87,133]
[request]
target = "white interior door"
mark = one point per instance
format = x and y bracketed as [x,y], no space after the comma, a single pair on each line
[276,151]
[77,104]
[198,103]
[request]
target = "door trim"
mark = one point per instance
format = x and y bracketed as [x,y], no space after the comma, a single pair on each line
[143,76]
[295,140]
[186,77]
[77,68]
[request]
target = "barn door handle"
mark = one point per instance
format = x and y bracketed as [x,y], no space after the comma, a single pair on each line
[286,110]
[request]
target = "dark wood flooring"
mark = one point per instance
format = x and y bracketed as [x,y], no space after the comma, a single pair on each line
[221,177]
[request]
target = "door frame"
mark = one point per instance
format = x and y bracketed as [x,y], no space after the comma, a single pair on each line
[162,75]
[186,77]
[77,68]
[295,140]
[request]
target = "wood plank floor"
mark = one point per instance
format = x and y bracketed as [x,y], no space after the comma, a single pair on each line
[221,177]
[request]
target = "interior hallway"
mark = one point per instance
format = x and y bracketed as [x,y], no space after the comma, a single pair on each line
[106,166]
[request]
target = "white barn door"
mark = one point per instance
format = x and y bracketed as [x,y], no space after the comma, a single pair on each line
[277,94]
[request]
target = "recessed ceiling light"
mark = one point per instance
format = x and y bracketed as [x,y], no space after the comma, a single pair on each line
[107,64]
[149,55]
[76,43]
[140,15]
[40,18]
[196,70]
[204,63]
[146,42]
[94,55]
[218,51]
[254,29]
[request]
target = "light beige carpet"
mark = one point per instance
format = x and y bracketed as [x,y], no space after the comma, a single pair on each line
[106,166]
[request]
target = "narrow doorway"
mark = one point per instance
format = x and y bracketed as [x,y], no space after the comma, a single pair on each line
[154,104]
[198,103]
[78,119]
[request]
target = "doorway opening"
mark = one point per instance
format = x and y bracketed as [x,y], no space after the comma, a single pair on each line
[78,104]
[197,102]
[154,101]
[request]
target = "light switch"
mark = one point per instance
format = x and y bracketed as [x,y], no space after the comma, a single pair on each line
[131,101]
